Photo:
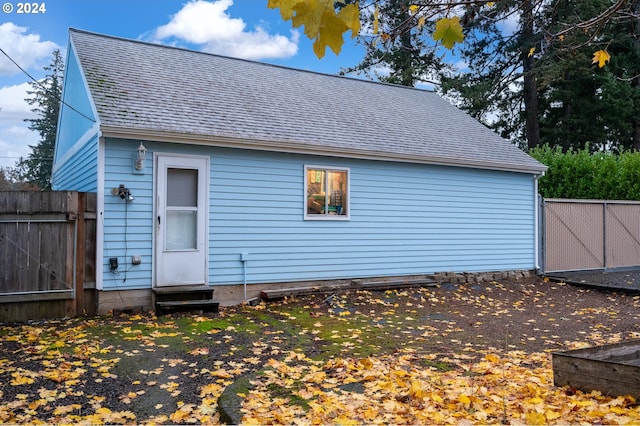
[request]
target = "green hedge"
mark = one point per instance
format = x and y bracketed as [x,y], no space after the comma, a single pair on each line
[585,175]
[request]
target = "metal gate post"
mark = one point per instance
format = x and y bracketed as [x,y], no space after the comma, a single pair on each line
[542,206]
[604,234]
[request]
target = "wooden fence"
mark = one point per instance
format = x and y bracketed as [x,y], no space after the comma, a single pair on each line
[591,234]
[47,254]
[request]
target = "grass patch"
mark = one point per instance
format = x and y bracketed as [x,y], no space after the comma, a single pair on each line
[337,334]
[277,391]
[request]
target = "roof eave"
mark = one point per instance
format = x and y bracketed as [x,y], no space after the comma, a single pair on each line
[299,148]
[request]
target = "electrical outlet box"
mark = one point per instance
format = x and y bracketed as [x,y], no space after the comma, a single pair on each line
[136,260]
[244,256]
[113,263]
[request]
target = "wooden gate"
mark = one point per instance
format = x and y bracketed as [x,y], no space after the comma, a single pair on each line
[590,234]
[47,254]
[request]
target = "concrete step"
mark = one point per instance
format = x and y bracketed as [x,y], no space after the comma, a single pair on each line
[188,305]
[183,289]
[185,298]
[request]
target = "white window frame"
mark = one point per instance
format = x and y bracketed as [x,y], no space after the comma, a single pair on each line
[326,216]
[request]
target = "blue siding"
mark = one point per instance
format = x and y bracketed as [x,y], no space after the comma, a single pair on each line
[80,171]
[76,151]
[405,218]
[128,226]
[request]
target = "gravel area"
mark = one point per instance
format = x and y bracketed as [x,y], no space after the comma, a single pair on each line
[627,281]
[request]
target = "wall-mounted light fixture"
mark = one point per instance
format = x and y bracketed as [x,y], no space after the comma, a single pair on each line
[139,161]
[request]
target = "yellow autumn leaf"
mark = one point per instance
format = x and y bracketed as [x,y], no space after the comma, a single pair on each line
[413,9]
[376,19]
[464,400]
[312,15]
[492,358]
[285,6]
[221,373]
[350,15]
[531,52]
[66,409]
[601,57]
[491,3]
[552,415]
[421,21]
[448,31]
[417,391]
[210,389]
[366,363]
[18,379]
[320,20]
[200,351]
[534,418]
[182,414]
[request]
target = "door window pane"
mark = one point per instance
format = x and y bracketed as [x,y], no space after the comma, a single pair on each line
[181,230]
[182,187]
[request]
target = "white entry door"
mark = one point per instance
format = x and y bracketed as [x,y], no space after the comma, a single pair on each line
[181,220]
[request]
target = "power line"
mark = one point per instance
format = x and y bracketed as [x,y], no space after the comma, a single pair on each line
[30,158]
[45,88]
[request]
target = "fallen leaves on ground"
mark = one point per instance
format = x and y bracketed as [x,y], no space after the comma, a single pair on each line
[472,354]
[509,388]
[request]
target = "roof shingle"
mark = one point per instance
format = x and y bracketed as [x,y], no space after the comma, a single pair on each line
[138,87]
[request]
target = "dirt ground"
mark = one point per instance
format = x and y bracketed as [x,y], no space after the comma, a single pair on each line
[613,280]
[144,369]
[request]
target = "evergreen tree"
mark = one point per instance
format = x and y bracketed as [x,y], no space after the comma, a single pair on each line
[406,59]
[584,104]
[527,79]
[45,96]
[500,86]
[509,83]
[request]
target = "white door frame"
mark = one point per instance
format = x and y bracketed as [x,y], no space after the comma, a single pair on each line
[180,267]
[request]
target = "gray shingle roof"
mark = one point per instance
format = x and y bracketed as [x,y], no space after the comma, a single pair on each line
[140,87]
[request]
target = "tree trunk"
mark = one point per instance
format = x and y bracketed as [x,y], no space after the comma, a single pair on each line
[530,85]
[406,65]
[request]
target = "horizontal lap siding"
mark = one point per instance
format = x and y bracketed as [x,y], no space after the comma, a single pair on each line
[134,218]
[405,219]
[80,172]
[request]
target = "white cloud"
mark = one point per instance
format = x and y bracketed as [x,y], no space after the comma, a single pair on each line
[461,65]
[14,144]
[26,49]
[206,23]
[509,25]
[13,106]
[15,137]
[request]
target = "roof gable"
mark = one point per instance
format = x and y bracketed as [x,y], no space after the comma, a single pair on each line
[141,88]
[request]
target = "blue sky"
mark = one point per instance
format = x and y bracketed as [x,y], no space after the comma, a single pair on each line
[241,28]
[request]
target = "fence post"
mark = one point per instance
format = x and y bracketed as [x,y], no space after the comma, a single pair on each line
[71,213]
[604,234]
[542,234]
[79,250]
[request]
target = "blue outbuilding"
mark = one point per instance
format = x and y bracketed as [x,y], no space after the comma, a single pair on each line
[217,171]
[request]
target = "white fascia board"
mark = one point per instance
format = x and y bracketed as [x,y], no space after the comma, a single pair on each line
[297,148]
[90,133]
